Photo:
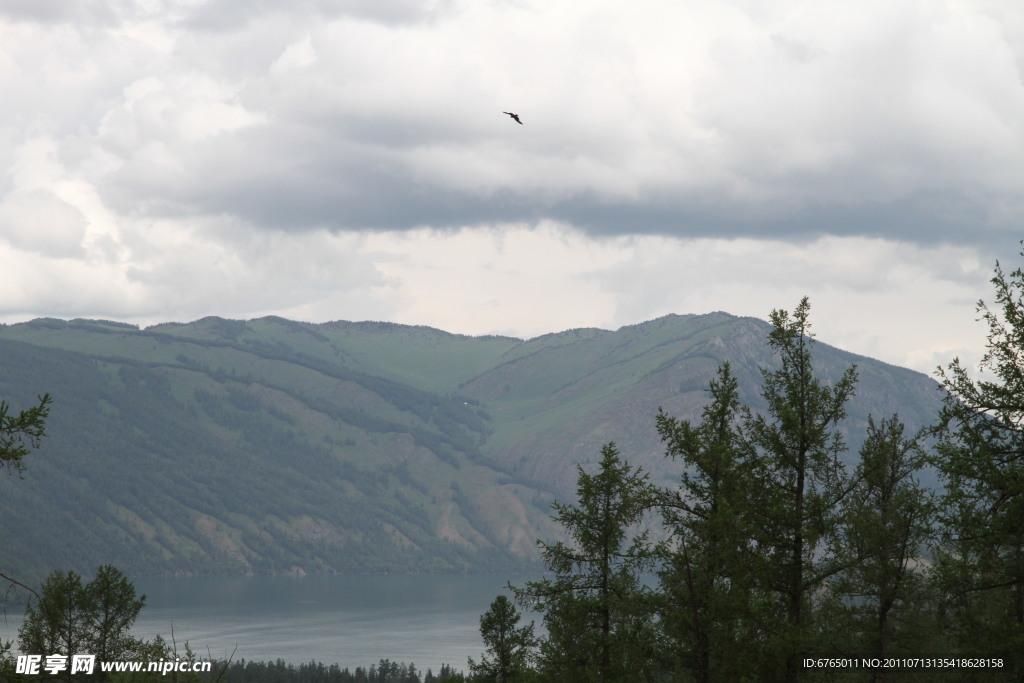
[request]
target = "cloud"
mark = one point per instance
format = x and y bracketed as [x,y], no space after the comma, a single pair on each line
[235,268]
[906,304]
[322,160]
[33,215]
[228,15]
[87,12]
[845,107]
[875,119]
[505,279]
[150,272]
[40,221]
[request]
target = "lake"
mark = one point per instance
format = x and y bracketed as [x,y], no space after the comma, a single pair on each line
[426,619]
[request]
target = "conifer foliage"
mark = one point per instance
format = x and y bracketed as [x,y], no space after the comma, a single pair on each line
[595,609]
[509,646]
[777,546]
[881,603]
[704,575]
[980,456]
[19,433]
[801,479]
[75,618]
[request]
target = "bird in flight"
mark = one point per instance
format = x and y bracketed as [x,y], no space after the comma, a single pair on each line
[515,116]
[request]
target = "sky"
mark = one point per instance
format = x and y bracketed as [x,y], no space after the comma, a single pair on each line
[167,160]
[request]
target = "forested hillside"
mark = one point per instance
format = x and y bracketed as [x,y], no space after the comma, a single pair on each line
[778,560]
[272,446]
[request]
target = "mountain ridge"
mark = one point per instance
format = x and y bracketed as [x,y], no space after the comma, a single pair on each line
[275,446]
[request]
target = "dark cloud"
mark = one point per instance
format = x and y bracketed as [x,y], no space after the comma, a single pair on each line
[343,186]
[370,115]
[301,178]
[925,218]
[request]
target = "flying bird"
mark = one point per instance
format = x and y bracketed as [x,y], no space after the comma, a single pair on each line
[515,116]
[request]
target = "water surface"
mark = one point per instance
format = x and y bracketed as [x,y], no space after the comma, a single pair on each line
[425,619]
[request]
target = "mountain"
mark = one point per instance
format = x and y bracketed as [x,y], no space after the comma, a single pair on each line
[271,446]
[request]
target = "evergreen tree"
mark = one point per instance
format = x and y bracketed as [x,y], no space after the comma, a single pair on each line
[509,647]
[802,482]
[159,650]
[59,622]
[114,607]
[449,675]
[705,580]
[71,618]
[18,434]
[595,608]
[980,457]
[882,602]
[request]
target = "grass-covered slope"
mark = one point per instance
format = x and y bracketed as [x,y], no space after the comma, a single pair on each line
[556,399]
[174,453]
[273,446]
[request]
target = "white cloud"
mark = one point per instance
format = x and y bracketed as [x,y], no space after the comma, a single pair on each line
[33,215]
[868,102]
[40,221]
[506,279]
[907,305]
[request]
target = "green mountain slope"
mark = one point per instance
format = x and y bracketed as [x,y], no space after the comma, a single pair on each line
[271,446]
[558,398]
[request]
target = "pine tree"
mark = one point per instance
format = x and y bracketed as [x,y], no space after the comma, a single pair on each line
[705,579]
[71,618]
[882,601]
[509,646]
[980,456]
[802,483]
[59,622]
[17,435]
[21,432]
[114,606]
[595,609]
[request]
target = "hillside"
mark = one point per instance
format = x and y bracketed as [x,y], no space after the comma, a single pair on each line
[271,446]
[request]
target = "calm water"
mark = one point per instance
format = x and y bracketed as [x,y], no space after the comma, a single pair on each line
[349,620]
